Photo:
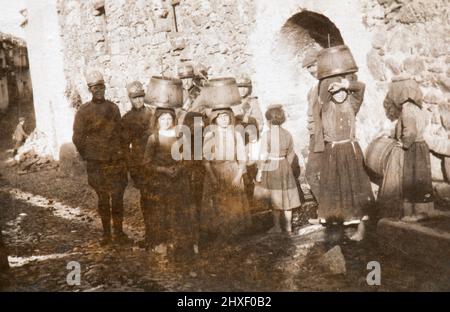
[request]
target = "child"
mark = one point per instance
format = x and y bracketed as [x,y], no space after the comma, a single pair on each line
[275,171]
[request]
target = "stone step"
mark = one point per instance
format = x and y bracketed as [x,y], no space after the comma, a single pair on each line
[424,241]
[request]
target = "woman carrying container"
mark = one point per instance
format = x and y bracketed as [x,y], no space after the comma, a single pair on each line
[345,188]
[225,210]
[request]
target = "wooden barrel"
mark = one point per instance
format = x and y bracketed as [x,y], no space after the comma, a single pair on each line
[221,92]
[377,154]
[164,92]
[335,61]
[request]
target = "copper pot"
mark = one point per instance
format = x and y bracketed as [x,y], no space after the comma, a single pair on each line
[221,93]
[164,92]
[334,61]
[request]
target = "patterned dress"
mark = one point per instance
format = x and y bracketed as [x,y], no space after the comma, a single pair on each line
[277,177]
[224,209]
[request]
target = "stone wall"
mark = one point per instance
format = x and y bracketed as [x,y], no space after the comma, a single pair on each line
[15,81]
[133,40]
[411,37]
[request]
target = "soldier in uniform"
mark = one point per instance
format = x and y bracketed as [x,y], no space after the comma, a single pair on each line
[136,129]
[316,146]
[190,89]
[249,105]
[96,135]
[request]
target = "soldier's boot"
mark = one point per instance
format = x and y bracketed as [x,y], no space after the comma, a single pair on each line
[117,216]
[105,215]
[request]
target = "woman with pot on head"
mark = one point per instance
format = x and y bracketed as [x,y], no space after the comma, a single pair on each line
[416,186]
[172,221]
[225,210]
[346,193]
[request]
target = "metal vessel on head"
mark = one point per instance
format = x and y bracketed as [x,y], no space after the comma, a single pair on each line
[335,61]
[164,92]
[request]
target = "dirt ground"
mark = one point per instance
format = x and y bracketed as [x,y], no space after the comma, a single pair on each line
[49,219]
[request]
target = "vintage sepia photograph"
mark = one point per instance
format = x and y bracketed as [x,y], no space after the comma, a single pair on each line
[224,146]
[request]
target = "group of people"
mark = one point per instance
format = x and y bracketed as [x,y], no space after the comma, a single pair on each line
[336,170]
[183,198]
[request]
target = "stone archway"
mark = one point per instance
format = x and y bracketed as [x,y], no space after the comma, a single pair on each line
[301,32]
[307,27]
[279,48]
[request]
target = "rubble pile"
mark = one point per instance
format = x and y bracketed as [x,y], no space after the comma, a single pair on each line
[34,155]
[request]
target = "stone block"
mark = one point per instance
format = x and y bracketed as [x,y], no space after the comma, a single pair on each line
[444,82]
[393,65]
[376,65]
[158,38]
[334,261]
[413,65]
[379,40]
[426,242]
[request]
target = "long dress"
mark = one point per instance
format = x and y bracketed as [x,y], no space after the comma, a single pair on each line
[224,210]
[390,196]
[416,182]
[346,193]
[277,175]
[170,216]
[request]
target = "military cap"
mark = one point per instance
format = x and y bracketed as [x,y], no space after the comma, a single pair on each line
[135,89]
[94,78]
[186,71]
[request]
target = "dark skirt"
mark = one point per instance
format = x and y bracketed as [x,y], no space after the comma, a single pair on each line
[170,215]
[417,186]
[345,189]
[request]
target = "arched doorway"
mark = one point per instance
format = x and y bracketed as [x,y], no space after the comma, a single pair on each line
[291,82]
[308,27]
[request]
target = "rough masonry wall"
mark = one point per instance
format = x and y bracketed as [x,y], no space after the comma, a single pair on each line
[411,37]
[133,40]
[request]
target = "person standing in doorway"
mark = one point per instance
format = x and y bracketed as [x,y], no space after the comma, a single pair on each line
[316,146]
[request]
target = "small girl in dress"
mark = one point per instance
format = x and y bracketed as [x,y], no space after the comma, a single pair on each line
[275,171]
